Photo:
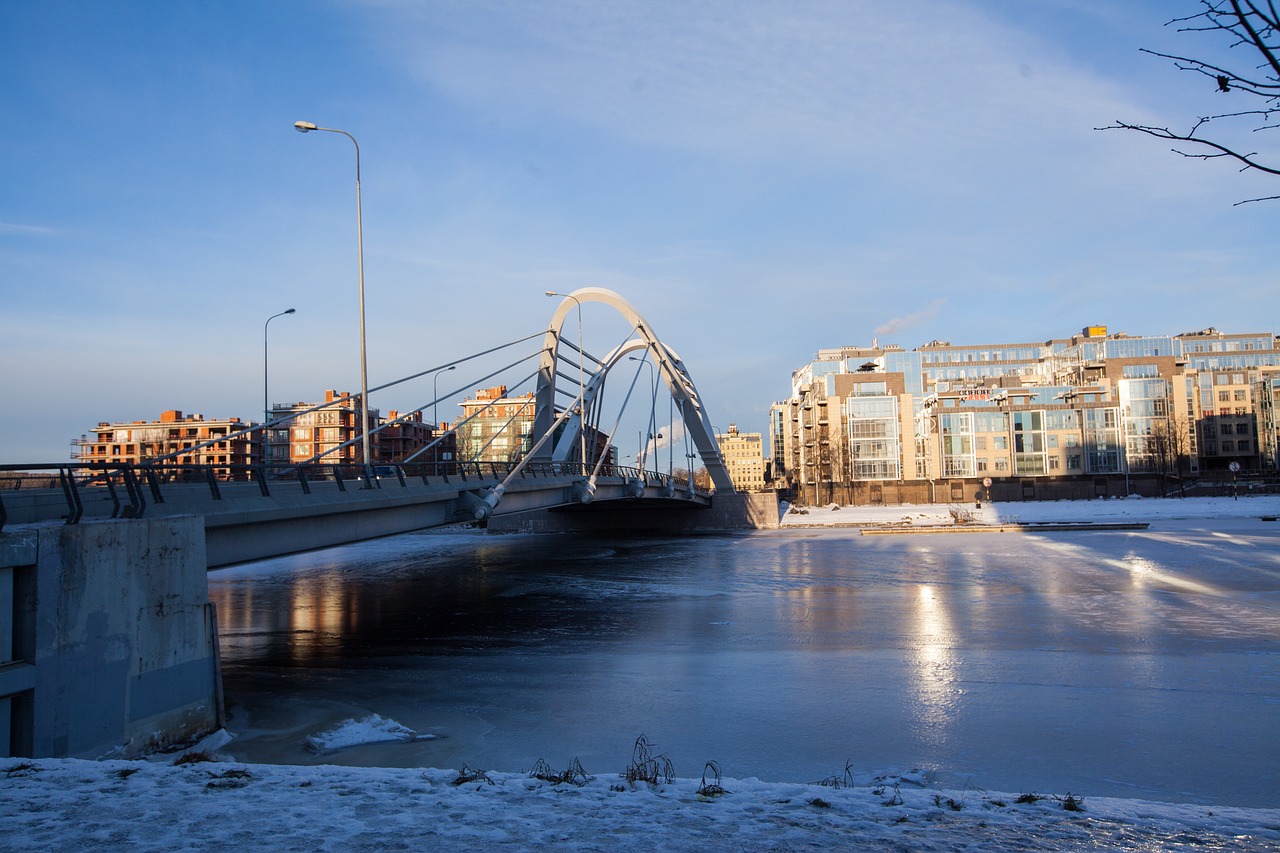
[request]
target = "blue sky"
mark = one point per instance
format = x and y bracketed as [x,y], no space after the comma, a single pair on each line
[760,179]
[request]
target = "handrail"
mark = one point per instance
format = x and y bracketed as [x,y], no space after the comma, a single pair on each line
[78,481]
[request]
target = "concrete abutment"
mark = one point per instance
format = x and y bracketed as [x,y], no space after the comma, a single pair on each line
[108,641]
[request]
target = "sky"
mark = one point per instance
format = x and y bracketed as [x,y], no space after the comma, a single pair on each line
[760,180]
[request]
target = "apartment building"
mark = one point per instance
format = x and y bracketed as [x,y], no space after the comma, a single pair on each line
[496,428]
[326,435]
[743,456]
[174,437]
[1094,405]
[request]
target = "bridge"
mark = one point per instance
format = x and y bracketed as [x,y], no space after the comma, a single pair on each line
[108,640]
[560,479]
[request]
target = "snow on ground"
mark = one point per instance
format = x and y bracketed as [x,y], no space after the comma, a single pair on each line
[70,805]
[1133,509]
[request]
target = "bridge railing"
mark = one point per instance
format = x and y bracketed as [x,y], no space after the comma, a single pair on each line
[73,490]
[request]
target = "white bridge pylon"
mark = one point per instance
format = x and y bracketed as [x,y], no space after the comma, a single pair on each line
[670,367]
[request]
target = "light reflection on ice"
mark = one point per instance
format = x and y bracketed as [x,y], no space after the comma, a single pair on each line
[933,672]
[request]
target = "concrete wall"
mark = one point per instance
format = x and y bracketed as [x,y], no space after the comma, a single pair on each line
[739,511]
[112,639]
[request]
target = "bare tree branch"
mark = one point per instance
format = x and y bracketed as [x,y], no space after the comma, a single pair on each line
[1254,26]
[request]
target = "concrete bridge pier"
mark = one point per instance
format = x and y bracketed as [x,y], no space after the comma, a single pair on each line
[727,512]
[108,641]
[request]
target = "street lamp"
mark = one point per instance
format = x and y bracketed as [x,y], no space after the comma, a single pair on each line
[306,127]
[266,409]
[435,394]
[582,400]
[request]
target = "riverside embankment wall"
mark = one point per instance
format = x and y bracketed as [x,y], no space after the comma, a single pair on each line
[108,642]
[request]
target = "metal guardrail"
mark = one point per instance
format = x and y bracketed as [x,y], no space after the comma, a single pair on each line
[129,485]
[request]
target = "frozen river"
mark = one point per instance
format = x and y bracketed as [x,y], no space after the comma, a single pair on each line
[1141,664]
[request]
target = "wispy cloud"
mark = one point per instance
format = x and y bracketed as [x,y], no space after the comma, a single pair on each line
[833,79]
[924,315]
[16,228]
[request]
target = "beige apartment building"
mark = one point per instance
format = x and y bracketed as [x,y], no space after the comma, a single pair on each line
[1092,414]
[743,456]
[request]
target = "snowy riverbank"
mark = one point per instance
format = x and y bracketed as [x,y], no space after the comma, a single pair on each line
[1100,511]
[116,806]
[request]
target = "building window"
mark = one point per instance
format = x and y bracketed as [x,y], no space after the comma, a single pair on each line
[1002,464]
[1224,396]
[1242,445]
[1240,395]
[1228,446]
[1228,429]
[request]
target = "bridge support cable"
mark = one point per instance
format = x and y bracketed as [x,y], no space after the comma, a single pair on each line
[588,490]
[485,507]
[672,369]
[589,416]
[480,453]
[469,418]
[190,451]
[410,414]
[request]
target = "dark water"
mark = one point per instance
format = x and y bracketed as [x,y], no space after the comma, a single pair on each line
[1134,664]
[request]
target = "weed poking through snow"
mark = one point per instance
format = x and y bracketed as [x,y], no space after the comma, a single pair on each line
[647,767]
[708,790]
[574,775]
[466,775]
[839,782]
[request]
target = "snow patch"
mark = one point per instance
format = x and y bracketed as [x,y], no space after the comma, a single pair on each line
[372,729]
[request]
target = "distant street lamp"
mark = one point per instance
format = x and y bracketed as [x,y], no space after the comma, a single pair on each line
[266,408]
[582,400]
[306,127]
[435,394]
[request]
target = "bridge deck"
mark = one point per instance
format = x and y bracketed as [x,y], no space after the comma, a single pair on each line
[244,521]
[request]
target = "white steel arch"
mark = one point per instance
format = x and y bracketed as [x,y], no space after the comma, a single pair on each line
[670,366]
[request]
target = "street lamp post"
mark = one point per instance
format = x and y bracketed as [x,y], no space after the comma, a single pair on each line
[266,408]
[435,394]
[306,127]
[435,398]
[582,400]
